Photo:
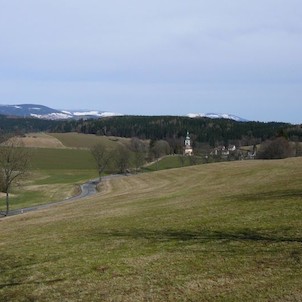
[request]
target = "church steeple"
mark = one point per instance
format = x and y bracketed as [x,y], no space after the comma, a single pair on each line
[188,140]
[188,148]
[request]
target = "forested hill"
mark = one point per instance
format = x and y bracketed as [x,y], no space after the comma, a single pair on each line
[20,125]
[212,131]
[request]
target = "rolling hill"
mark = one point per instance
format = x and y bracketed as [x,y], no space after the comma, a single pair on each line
[44,112]
[217,232]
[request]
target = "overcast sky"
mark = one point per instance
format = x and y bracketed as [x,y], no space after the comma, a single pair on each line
[154,57]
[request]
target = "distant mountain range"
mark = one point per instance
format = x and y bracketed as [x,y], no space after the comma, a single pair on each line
[44,112]
[218,115]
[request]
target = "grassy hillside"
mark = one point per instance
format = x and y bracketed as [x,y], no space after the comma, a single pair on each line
[217,232]
[75,159]
[62,161]
[78,140]
[44,186]
[54,174]
[69,140]
[172,161]
[39,140]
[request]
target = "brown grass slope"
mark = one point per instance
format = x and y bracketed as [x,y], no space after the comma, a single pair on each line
[216,232]
[39,140]
[79,140]
[69,140]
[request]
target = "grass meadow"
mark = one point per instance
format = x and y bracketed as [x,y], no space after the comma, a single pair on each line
[59,164]
[171,162]
[61,159]
[44,186]
[79,140]
[54,174]
[217,232]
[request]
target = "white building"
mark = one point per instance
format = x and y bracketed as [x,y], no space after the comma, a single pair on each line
[188,150]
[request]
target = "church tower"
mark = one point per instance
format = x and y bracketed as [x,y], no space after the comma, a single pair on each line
[188,150]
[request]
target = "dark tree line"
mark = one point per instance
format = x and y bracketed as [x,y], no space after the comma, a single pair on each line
[203,130]
[214,132]
[24,125]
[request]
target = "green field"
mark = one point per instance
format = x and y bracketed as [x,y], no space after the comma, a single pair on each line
[70,159]
[56,173]
[172,161]
[44,186]
[217,232]
[78,140]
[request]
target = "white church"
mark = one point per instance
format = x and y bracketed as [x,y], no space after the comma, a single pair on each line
[188,150]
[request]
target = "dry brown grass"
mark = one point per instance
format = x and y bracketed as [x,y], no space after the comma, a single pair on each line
[40,140]
[79,140]
[68,140]
[217,232]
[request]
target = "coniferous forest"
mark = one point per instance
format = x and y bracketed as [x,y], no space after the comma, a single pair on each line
[202,130]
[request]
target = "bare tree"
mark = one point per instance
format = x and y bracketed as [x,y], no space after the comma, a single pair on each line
[298,148]
[14,163]
[275,149]
[159,149]
[176,144]
[139,150]
[102,158]
[122,159]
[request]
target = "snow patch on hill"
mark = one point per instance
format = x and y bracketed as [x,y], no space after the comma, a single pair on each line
[43,112]
[217,116]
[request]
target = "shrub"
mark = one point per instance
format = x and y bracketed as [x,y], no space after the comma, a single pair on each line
[275,149]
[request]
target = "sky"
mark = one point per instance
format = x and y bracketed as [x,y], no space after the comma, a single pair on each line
[154,57]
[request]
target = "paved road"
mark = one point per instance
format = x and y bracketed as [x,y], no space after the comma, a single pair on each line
[87,189]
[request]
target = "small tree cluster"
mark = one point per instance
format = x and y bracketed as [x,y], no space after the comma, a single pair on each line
[159,148]
[276,149]
[102,158]
[139,149]
[120,159]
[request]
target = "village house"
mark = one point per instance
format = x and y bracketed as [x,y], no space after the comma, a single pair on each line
[223,150]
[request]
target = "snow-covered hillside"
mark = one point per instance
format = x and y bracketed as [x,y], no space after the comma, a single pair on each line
[43,112]
[217,115]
